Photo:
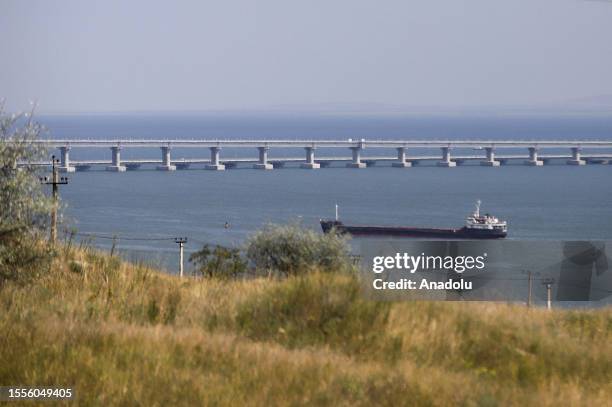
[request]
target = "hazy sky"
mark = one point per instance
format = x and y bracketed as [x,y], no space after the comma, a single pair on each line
[242,54]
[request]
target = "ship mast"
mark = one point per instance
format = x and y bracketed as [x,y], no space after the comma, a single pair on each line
[477,210]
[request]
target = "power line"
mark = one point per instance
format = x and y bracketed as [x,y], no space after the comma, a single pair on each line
[118,237]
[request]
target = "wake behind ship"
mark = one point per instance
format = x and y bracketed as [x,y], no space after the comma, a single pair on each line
[477,226]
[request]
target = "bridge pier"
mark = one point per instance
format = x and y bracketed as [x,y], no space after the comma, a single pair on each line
[356,163]
[401,159]
[116,160]
[215,165]
[166,163]
[490,161]
[65,160]
[576,157]
[446,159]
[263,159]
[533,158]
[310,159]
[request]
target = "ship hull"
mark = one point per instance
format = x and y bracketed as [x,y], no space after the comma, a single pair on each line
[410,232]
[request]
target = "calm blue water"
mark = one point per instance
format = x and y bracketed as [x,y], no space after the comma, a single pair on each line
[551,202]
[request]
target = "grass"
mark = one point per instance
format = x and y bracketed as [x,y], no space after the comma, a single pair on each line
[127,334]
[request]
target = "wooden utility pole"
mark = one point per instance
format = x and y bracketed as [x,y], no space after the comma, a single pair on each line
[55,181]
[181,242]
[530,278]
[529,286]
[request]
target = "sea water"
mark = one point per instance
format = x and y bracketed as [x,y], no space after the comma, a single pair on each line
[557,201]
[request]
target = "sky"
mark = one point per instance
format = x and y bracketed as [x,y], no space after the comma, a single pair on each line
[114,56]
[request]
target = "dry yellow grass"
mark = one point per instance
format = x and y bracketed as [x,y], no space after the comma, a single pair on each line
[127,334]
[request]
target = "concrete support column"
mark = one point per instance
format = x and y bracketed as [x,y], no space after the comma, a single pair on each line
[490,161]
[65,160]
[446,158]
[166,163]
[263,159]
[116,160]
[356,163]
[310,160]
[533,158]
[214,160]
[576,157]
[401,159]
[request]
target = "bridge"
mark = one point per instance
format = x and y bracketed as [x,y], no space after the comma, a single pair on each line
[401,159]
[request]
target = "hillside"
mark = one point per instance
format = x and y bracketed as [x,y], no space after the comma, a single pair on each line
[122,333]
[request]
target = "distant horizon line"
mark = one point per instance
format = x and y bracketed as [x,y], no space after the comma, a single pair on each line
[356,110]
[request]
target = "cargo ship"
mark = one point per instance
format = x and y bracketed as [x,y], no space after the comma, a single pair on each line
[477,226]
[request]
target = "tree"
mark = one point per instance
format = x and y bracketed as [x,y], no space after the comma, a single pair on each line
[24,208]
[23,205]
[220,262]
[292,249]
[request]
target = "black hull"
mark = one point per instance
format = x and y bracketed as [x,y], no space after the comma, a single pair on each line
[409,232]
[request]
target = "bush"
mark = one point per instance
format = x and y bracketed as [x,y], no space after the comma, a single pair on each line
[23,205]
[292,250]
[24,208]
[221,262]
[23,257]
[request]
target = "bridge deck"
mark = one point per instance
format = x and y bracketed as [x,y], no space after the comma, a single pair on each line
[327,159]
[484,150]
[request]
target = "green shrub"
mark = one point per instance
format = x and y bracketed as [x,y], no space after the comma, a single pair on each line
[23,205]
[220,262]
[292,249]
[23,257]
[24,208]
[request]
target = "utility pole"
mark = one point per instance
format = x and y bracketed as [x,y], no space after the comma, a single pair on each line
[55,181]
[530,278]
[530,286]
[181,242]
[548,282]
